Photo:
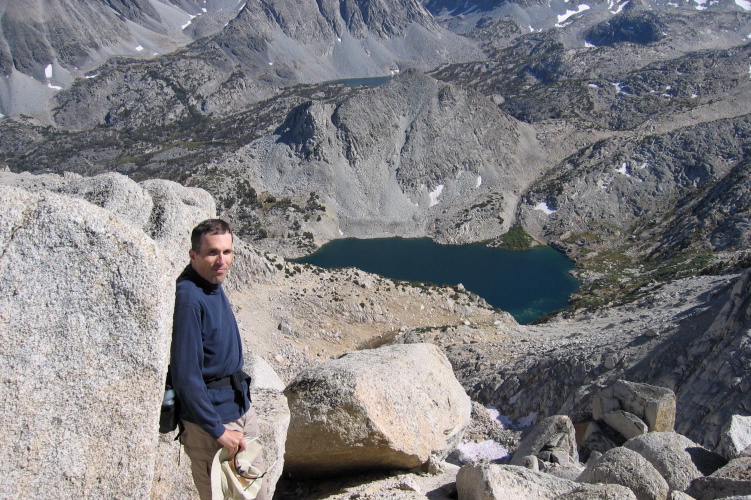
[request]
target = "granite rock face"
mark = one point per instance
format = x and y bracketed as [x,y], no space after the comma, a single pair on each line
[88,268]
[383,159]
[86,329]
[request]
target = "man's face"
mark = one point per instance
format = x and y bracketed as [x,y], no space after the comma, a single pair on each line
[213,259]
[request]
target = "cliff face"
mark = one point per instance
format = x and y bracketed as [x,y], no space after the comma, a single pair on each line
[398,159]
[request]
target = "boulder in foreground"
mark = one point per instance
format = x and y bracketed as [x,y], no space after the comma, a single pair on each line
[385,408]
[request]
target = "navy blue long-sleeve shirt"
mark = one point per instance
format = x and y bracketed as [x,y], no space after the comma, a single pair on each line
[206,345]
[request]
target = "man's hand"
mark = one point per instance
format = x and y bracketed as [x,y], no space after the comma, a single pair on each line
[234,441]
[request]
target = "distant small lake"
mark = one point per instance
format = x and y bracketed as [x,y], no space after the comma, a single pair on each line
[527,284]
[372,81]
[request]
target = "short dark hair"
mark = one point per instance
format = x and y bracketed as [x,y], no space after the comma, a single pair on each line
[209,226]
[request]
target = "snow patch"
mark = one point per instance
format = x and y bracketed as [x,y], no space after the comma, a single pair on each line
[618,7]
[505,421]
[563,18]
[701,4]
[589,46]
[435,194]
[189,21]
[528,420]
[594,85]
[54,87]
[620,90]
[543,207]
[139,48]
[623,170]
[478,183]
[91,76]
[48,71]
[474,452]
[743,4]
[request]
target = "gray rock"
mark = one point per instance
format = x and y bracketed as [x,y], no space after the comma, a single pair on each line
[679,495]
[600,492]
[553,432]
[678,459]
[736,436]
[273,417]
[262,375]
[628,468]
[626,424]
[391,407]
[503,482]
[597,438]
[711,487]
[654,405]
[740,468]
[718,385]
[116,193]
[177,210]
[85,311]
[566,471]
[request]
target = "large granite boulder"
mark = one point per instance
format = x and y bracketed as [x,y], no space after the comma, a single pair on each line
[553,439]
[504,482]
[678,459]
[628,468]
[385,408]
[735,436]
[655,406]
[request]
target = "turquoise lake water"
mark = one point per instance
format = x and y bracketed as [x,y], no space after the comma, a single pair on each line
[527,284]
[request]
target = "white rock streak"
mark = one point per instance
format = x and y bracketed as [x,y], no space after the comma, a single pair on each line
[435,194]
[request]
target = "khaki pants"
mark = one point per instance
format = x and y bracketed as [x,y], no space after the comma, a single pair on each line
[201,448]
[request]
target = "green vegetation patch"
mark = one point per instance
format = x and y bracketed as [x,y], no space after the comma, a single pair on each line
[517,239]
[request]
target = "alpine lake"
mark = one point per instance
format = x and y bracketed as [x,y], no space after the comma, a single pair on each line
[526,283]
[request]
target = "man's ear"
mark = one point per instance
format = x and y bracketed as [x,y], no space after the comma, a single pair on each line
[192,254]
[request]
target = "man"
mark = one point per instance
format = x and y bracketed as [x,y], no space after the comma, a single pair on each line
[206,358]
